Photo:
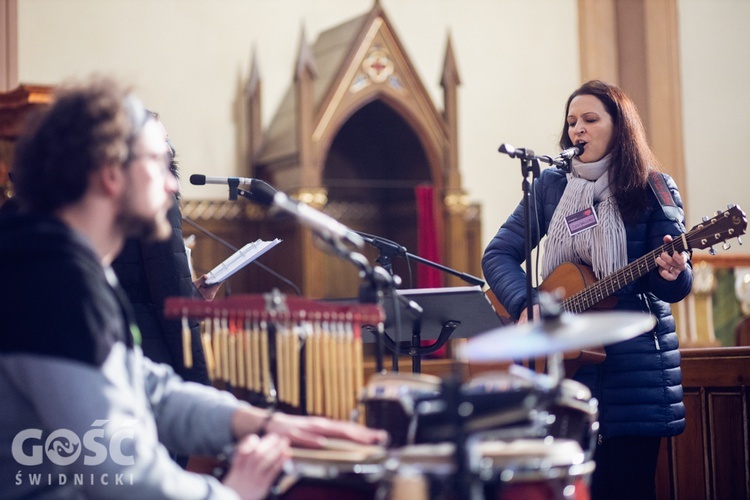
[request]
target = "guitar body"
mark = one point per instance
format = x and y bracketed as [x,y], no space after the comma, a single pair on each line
[571,279]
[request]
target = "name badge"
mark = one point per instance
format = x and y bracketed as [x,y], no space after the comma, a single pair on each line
[581,221]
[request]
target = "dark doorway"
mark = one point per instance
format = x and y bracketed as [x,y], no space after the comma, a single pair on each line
[372,168]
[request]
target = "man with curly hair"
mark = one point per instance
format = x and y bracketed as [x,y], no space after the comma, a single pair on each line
[84,414]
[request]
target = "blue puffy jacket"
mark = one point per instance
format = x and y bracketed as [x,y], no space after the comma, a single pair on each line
[638,386]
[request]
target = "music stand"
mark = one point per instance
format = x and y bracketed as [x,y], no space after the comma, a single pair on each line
[459,311]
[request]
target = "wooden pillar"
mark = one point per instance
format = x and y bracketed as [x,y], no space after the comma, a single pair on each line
[455,250]
[597,32]
[450,82]
[8,45]
[255,126]
[665,88]
[635,45]
[304,77]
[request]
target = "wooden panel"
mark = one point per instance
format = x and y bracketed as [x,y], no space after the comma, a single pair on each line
[700,367]
[728,466]
[711,458]
[689,476]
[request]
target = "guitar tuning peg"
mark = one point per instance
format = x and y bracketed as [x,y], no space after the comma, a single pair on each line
[719,212]
[712,251]
[726,246]
[731,206]
[704,218]
[739,240]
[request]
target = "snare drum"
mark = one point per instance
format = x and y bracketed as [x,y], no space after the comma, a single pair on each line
[354,473]
[531,469]
[390,401]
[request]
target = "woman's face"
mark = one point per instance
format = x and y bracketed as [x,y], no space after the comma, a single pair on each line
[590,124]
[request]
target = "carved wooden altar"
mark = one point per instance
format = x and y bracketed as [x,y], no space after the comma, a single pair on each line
[353,137]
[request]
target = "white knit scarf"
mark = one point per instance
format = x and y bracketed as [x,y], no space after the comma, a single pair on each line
[602,247]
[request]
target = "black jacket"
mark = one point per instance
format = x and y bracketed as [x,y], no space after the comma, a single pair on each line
[149,272]
[41,307]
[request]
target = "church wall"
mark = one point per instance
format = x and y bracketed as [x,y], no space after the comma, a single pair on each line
[518,61]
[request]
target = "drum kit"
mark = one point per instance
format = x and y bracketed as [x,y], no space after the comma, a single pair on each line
[504,435]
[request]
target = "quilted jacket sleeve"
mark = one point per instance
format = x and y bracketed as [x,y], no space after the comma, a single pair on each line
[505,253]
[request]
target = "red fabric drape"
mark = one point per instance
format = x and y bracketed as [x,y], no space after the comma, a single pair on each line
[428,237]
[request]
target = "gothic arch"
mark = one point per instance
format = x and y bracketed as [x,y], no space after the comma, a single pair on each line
[357,113]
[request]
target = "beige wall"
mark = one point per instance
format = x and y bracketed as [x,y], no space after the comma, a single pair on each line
[518,60]
[715,43]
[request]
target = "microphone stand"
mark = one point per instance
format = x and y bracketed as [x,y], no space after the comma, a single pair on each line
[388,249]
[530,171]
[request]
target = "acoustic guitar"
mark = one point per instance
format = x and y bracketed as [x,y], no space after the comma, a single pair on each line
[581,291]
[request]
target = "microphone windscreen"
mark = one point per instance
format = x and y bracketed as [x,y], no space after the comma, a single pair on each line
[198,179]
[262,192]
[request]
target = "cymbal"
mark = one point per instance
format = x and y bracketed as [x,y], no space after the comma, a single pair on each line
[569,332]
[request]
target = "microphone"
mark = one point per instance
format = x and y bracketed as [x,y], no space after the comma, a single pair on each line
[201,180]
[569,153]
[565,159]
[383,244]
[326,227]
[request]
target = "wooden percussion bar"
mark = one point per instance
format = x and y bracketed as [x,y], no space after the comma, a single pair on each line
[305,354]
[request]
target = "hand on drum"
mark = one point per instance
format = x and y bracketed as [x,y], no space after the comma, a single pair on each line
[314,432]
[256,463]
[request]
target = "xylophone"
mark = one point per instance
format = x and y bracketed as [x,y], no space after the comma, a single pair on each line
[303,353]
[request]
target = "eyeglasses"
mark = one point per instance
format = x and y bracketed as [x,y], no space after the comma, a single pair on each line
[163,159]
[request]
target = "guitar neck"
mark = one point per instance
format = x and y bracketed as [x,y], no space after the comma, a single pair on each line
[595,293]
[730,223]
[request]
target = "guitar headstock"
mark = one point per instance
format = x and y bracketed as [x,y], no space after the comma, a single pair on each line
[723,226]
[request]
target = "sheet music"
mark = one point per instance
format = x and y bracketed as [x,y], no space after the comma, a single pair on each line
[239,259]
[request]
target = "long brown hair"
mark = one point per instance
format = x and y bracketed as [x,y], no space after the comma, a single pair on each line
[632,158]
